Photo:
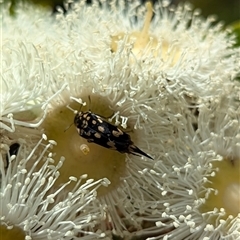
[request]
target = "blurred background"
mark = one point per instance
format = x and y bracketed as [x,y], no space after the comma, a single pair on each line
[227,11]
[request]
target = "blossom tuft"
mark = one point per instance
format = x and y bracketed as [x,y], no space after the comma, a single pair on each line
[30,203]
[162,90]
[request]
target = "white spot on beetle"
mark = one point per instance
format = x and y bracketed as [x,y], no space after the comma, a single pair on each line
[97,135]
[117,133]
[101,129]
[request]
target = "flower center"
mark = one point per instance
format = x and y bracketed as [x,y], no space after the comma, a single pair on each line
[82,157]
[146,44]
[225,196]
[12,233]
[140,39]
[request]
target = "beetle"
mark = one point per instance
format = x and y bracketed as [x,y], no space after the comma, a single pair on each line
[96,130]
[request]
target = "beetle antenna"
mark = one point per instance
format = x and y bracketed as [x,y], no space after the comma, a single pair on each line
[68,127]
[90,103]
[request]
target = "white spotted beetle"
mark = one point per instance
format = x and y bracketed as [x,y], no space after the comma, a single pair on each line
[96,130]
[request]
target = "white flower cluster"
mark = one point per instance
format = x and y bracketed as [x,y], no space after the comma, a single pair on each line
[163,75]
